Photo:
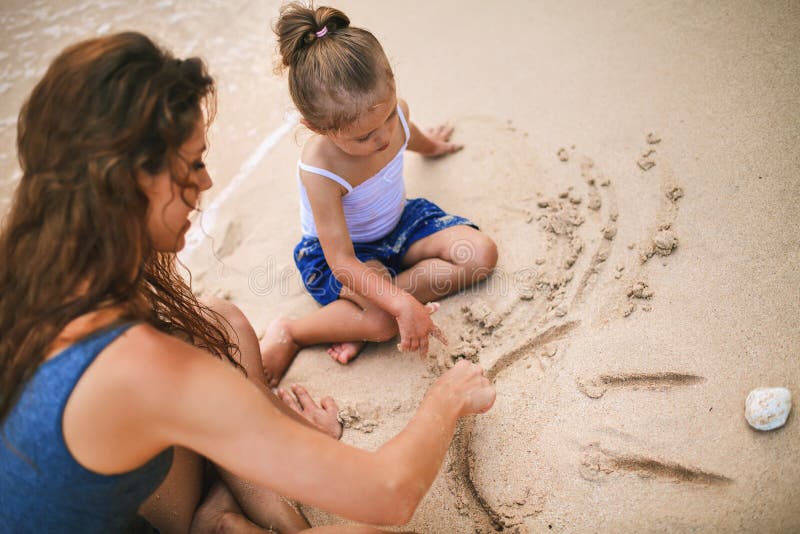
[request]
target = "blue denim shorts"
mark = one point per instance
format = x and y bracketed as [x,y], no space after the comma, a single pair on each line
[420,219]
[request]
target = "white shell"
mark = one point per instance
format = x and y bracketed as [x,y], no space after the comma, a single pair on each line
[768,408]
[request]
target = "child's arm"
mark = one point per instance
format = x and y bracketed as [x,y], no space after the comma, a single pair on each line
[413,319]
[435,143]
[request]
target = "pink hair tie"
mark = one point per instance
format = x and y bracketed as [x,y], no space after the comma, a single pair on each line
[322,33]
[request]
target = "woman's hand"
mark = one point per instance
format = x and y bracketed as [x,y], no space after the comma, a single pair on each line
[439,137]
[415,325]
[466,383]
[323,416]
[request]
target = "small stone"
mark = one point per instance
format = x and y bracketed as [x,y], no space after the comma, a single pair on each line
[562,154]
[652,139]
[543,203]
[768,408]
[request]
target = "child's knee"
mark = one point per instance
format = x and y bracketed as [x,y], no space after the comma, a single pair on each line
[383,325]
[485,255]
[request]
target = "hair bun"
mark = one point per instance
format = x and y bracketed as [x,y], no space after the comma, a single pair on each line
[298,26]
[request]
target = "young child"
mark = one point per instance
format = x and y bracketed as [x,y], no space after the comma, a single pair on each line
[368,255]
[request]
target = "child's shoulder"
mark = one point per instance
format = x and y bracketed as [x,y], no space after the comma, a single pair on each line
[403,106]
[318,152]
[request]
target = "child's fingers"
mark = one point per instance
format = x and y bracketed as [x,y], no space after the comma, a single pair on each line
[438,334]
[433,307]
[423,347]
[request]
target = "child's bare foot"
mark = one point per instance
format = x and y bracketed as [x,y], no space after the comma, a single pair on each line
[344,352]
[278,349]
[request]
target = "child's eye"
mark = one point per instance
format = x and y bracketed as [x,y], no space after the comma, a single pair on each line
[199,165]
[363,139]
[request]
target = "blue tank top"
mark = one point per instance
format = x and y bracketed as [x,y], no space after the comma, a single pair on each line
[42,487]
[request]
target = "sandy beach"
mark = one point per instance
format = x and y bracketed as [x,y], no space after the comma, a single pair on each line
[638,167]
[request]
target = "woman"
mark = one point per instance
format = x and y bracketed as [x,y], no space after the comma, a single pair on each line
[109,395]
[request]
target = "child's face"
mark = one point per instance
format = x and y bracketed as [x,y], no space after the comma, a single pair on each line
[373,131]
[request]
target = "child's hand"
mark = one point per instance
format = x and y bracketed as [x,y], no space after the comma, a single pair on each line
[440,137]
[415,325]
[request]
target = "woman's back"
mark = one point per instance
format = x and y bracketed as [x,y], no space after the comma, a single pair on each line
[42,487]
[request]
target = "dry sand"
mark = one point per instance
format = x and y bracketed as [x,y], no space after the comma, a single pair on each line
[638,168]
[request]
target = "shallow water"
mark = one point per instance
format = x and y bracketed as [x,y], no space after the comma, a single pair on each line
[233,37]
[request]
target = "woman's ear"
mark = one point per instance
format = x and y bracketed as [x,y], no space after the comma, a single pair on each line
[145,181]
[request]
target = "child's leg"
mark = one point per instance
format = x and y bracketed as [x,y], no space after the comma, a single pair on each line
[347,323]
[446,262]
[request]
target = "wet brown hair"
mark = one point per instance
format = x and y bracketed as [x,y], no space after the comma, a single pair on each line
[75,239]
[334,78]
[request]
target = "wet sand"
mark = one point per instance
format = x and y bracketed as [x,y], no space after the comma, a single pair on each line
[638,168]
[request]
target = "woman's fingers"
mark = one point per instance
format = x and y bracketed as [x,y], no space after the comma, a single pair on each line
[302,395]
[329,405]
[289,400]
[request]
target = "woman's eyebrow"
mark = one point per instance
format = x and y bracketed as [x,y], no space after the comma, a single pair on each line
[199,152]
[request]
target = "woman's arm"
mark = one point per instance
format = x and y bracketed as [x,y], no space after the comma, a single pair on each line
[435,143]
[205,405]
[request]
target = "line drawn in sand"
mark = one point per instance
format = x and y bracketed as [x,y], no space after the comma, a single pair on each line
[554,302]
[558,305]
[598,463]
[597,386]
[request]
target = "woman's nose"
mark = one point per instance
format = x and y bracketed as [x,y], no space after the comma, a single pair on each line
[205,181]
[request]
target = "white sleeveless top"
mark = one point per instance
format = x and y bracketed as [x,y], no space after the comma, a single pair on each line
[372,208]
